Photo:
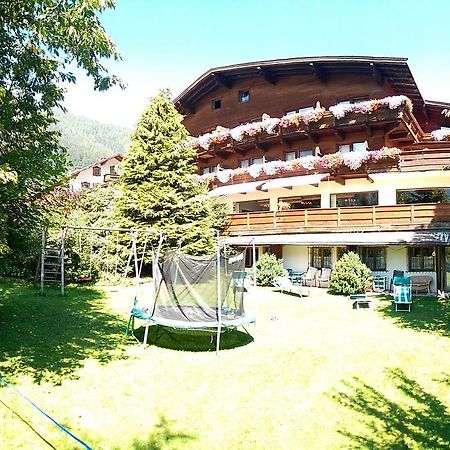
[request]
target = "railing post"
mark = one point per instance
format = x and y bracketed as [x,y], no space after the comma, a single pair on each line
[373,215]
[274,220]
[248,221]
[339,217]
[306,217]
[412,218]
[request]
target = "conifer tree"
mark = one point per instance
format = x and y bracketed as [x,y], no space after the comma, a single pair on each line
[159,187]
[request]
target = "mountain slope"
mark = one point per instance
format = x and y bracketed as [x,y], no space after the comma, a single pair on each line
[88,140]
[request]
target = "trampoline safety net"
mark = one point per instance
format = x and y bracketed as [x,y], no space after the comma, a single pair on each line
[187,288]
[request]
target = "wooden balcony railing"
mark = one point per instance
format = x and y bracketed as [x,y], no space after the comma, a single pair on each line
[359,218]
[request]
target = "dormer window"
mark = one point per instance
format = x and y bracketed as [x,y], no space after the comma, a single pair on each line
[244,96]
[112,170]
[96,171]
[216,104]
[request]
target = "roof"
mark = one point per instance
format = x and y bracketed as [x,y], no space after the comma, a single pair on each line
[117,156]
[393,69]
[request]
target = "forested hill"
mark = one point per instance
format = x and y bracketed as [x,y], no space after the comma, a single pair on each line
[88,141]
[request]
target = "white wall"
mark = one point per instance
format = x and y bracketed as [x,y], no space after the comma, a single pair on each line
[296,257]
[86,175]
[385,183]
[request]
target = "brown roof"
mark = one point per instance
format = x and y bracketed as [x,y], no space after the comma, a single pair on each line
[393,69]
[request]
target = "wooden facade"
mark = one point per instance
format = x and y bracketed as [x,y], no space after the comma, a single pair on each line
[228,97]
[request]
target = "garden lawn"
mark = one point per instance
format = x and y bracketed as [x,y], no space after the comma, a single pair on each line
[318,374]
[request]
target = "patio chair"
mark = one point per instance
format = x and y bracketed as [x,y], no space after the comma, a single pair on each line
[323,280]
[310,277]
[396,273]
[284,284]
[402,294]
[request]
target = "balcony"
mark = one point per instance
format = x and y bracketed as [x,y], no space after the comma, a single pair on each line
[422,216]
[398,124]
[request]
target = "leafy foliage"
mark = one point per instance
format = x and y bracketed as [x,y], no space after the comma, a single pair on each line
[40,39]
[267,268]
[88,141]
[159,187]
[350,276]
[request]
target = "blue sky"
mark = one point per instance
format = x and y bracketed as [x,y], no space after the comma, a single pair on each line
[169,43]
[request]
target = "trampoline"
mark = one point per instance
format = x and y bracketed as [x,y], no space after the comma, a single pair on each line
[197,293]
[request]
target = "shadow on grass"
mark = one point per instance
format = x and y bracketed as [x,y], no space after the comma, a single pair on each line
[49,337]
[162,438]
[419,421]
[427,314]
[193,340]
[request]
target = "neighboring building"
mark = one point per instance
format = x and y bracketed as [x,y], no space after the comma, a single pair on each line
[314,166]
[102,172]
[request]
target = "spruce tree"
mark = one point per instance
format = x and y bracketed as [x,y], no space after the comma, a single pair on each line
[159,186]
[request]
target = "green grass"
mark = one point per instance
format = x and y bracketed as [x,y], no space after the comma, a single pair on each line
[314,374]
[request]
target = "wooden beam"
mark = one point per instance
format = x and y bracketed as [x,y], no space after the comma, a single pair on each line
[339,134]
[340,180]
[379,78]
[223,81]
[425,111]
[313,137]
[220,154]
[267,75]
[261,147]
[186,107]
[319,72]
[369,178]
[286,142]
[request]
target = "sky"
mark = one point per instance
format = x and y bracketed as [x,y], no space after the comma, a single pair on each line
[170,43]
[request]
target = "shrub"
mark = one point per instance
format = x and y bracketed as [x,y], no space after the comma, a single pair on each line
[350,276]
[267,268]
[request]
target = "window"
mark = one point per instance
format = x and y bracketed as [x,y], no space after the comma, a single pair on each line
[303,202]
[252,206]
[244,163]
[353,101]
[244,96]
[373,257]
[353,147]
[216,104]
[436,195]
[96,171]
[257,160]
[306,152]
[204,170]
[289,156]
[112,170]
[213,169]
[320,257]
[305,109]
[344,148]
[85,185]
[421,259]
[354,199]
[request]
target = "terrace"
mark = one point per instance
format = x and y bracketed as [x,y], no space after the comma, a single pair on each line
[426,216]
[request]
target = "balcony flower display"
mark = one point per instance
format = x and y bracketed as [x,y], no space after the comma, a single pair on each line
[385,153]
[354,160]
[274,167]
[224,176]
[341,110]
[268,125]
[306,162]
[307,117]
[440,135]
[332,161]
